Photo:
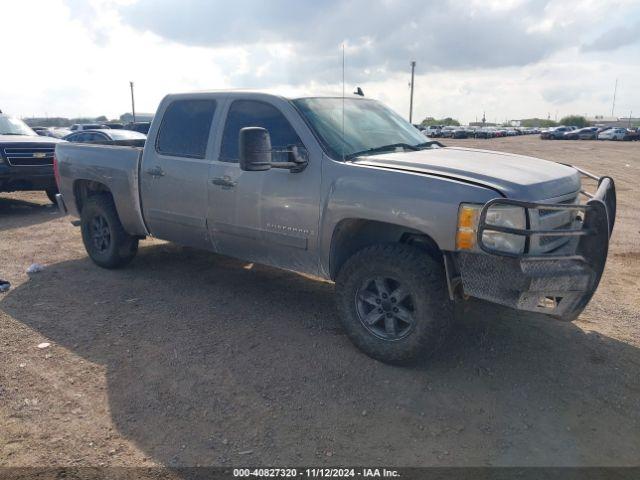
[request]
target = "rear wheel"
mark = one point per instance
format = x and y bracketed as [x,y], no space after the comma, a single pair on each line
[104,238]
[393,303]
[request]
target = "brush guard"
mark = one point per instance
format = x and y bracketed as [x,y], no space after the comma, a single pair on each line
[558,283]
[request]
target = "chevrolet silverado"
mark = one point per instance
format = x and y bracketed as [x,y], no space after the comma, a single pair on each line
[347,190]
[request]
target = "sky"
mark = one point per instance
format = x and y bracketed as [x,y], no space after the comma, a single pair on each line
[509,58]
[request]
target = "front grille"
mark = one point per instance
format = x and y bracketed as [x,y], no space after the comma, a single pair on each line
[541,219]
[29,156]
[543,213]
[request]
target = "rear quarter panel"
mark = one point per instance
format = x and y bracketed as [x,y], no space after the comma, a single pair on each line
[115,167]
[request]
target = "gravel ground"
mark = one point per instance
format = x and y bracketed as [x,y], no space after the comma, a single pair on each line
[188,358]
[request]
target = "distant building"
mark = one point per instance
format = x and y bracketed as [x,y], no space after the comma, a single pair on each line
[604,121]
[482,124]
[140,117]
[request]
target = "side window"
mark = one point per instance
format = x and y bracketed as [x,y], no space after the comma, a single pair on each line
[251,113]
[99,138]
[185,127]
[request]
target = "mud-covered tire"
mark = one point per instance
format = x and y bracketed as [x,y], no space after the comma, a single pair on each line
[416,272]
[51,195]
[105,240]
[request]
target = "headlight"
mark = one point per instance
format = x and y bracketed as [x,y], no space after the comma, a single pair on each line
[498,215]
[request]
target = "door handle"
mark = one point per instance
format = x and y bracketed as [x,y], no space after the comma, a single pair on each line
[224,181]
[155,171]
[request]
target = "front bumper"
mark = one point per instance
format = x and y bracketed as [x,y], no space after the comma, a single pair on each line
[26,178]
[557,283]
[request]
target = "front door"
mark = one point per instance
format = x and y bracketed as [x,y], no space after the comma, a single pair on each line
[269,217]
[174,173]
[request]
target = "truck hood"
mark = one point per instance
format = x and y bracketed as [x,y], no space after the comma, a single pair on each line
[7,139]
[515,176]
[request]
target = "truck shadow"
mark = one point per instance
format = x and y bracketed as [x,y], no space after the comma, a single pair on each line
[16,213]
[208,358]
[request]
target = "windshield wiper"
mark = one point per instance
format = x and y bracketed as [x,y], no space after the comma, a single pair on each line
[429,144]
[10,133]
[392,146]
[382,148]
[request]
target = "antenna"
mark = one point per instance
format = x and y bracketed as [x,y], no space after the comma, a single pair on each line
[343,101]
[615,89]
[413,68]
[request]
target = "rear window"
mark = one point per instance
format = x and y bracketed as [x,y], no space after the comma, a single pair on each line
[185,127]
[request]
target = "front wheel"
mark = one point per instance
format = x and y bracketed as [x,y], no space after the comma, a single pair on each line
[104,237]
[393,303]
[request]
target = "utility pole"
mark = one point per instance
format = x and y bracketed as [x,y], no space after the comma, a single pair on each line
[615,90]
[413,68]
[133,103]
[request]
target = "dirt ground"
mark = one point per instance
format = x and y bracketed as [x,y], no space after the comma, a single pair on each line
[188,358]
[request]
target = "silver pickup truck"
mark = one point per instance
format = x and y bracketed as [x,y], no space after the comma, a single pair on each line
[347,190]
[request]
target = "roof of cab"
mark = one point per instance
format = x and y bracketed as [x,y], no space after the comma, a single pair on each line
[285,93]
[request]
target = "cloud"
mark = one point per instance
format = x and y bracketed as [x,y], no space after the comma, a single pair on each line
[510,58]
[614,38]
[561,95]
[381,37]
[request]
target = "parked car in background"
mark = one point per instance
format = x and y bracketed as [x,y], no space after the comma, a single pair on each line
[447,132]
[404,227]
[485,132]
[40,130]
[108,137]
[114,125]
[58,132]
[616,133]
[459,132]
[142,127]
[555,133]
[77,127]
[55,132]
[633,134]
[433,131]
[26,159]
[586,133]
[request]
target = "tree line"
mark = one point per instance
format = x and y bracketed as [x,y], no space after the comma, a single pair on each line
[574,120]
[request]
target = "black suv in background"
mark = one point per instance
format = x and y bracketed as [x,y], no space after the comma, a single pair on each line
[26,159]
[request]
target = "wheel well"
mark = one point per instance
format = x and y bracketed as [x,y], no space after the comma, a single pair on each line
[352,235]
[83,189]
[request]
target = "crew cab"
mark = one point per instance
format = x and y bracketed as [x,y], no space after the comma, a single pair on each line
[26,159]
[347,190]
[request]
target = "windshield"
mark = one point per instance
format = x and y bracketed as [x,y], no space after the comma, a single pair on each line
[368,125]
[13,126]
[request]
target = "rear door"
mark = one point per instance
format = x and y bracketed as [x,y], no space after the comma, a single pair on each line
[174,171]
[272,216]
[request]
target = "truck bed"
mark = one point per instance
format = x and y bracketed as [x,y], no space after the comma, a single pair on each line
[115,167]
